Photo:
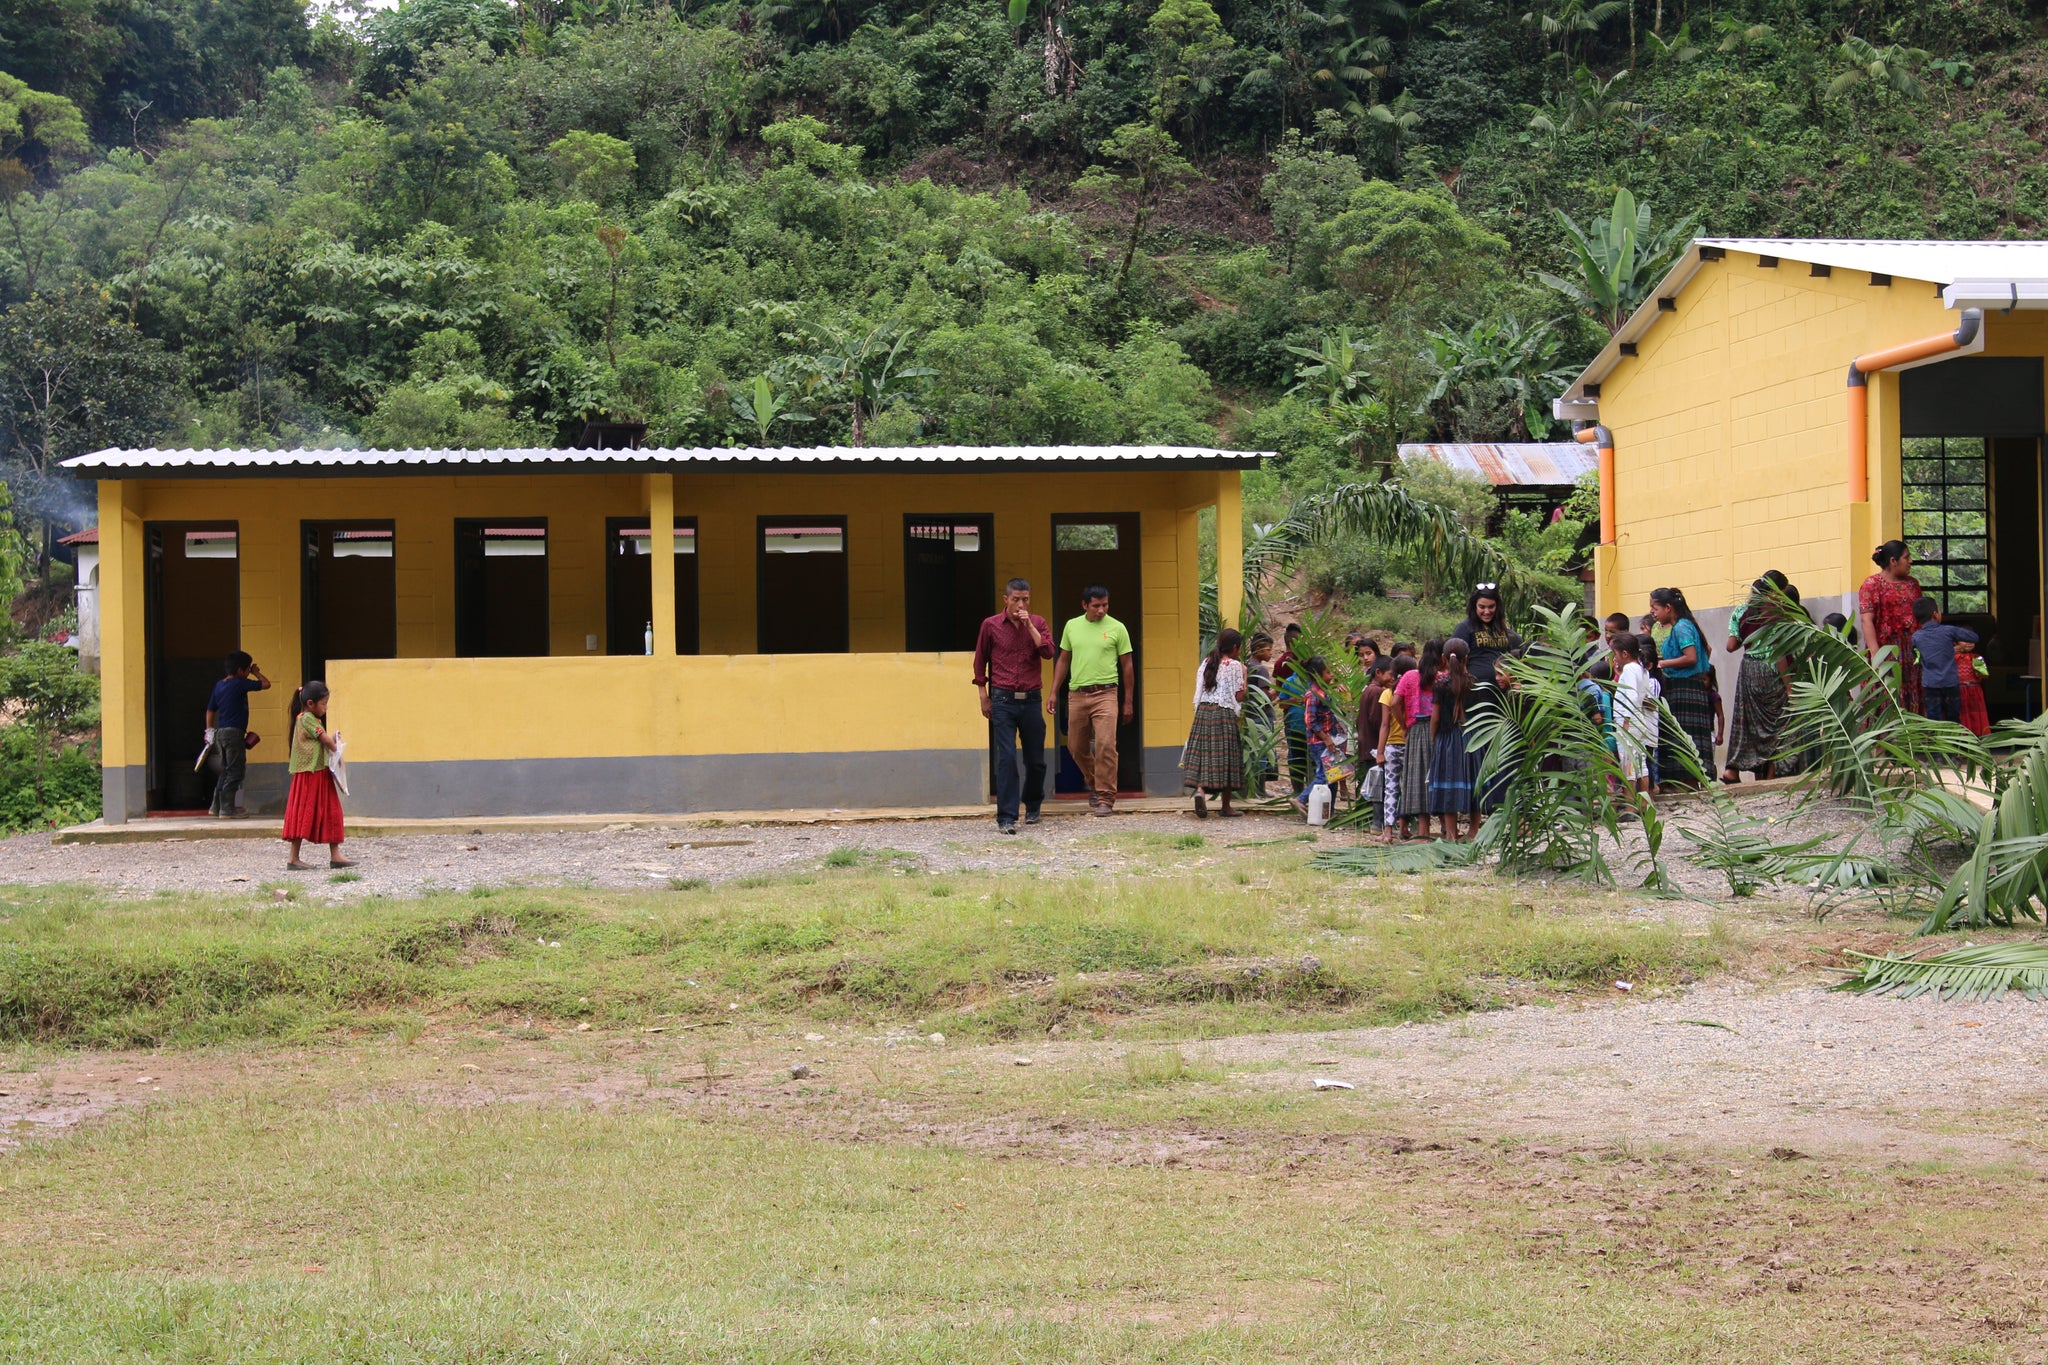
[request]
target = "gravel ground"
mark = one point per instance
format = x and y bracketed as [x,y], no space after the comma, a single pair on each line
[1804,1068]
[621,857]
[616,858]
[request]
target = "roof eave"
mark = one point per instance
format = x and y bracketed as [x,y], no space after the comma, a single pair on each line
[1637,324]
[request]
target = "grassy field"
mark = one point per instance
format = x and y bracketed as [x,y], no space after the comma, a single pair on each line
[564,1126]
[1187,938]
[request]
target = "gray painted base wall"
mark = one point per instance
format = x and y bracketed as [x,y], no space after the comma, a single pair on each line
[1728,666]
[668,785]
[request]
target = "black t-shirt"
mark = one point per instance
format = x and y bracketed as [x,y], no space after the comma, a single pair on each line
[1488,644]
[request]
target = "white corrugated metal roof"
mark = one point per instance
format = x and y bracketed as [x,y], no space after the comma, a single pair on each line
[115,462]
[1912,259]
[1516,464]
[1943,264]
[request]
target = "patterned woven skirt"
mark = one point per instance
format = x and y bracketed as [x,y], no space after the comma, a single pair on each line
[1214,758]
[1692,706]
[1414,799]
[312,809]
[1450,773]
[1976,719]
[1759,713]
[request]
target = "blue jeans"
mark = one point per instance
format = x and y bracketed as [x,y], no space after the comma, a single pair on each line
[1010,720]
[1942,703]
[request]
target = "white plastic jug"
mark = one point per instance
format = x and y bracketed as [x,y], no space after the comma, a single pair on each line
[650,637]
[1319,804]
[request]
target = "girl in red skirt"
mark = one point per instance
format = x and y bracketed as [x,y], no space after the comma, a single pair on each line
[313,809]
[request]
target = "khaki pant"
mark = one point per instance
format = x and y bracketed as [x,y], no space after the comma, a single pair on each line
[1091,739]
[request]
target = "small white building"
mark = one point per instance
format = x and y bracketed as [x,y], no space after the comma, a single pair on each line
[86,545]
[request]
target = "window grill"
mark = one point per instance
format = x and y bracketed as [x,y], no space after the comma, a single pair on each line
[1947,487]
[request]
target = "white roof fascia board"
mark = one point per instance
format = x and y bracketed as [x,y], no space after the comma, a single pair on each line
[1930,260]
[1997,295]
[1570,405]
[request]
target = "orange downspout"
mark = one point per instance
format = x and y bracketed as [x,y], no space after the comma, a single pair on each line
[1603,442]
[1859,405]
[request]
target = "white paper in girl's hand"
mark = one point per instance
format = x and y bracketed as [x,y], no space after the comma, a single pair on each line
[336,766]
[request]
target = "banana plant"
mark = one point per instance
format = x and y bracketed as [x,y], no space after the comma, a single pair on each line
[1616,260]
[761,403]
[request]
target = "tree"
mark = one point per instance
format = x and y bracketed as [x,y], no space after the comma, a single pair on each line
[37,130]
[1616,262]
[596,164]
[1062,70]
[1400,249]
[1309,182]
[867,367]
[399,37]
[1495,380]
[1564,21]
[78,380]
[1152,164]
[1190,50]
[1893,71]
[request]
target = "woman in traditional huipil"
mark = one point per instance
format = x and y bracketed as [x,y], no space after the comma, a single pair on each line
[1885,615]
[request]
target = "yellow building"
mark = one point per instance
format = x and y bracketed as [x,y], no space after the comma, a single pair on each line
[504,636]
[1792,404]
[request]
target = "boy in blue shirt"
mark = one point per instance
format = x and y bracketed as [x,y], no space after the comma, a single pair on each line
[1941,691]
[227,724]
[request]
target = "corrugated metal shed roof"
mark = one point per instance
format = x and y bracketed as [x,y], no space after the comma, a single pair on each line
[143,463]
[1530,464]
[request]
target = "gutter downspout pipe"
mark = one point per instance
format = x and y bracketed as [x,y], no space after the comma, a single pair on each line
[1864,365]
[1602,441]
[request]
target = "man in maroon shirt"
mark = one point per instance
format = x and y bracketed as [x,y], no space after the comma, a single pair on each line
[1008,657]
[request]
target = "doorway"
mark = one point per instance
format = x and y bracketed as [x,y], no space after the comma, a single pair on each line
[348,593]
[501,588]
[629,585]
[1089,549]
[949,581]
[192,620]
[802,603]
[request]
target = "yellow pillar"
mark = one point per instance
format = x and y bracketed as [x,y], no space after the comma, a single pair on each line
[661,567]
[124,724]
[1230,546]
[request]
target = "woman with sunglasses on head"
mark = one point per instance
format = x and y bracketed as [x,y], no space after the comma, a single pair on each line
[1488,642]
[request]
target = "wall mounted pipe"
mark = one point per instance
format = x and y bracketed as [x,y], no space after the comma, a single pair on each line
[1603,443]
[1926,348]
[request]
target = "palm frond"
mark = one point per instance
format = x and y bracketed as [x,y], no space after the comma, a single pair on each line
[1371,860]
[2006,875]
[1984,972]
[1387,515]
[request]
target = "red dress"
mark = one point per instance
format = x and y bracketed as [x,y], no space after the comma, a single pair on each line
[312,809]
[1889,603]
[1976,719]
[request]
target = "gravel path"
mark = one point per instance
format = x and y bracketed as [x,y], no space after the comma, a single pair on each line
[617,858]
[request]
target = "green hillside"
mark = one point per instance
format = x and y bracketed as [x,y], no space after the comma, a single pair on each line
[1317,230]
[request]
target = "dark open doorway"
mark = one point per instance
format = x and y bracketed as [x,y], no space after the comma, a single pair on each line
[1971,478]
[192,620]
[1101,548]
[949,580]
[803,605]
[629,585]
[501,588]
[348,593]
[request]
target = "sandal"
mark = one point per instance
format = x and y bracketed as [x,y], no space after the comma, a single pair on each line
[291,866]
[342,862]
[1201,806]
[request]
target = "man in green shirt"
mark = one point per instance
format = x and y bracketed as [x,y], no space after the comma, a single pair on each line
[1094,665]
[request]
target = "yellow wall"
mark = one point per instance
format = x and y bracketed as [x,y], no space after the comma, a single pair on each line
[421,710]
[1730,430]
[912,701]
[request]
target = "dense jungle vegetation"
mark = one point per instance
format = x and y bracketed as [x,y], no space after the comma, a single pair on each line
[1315,229]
